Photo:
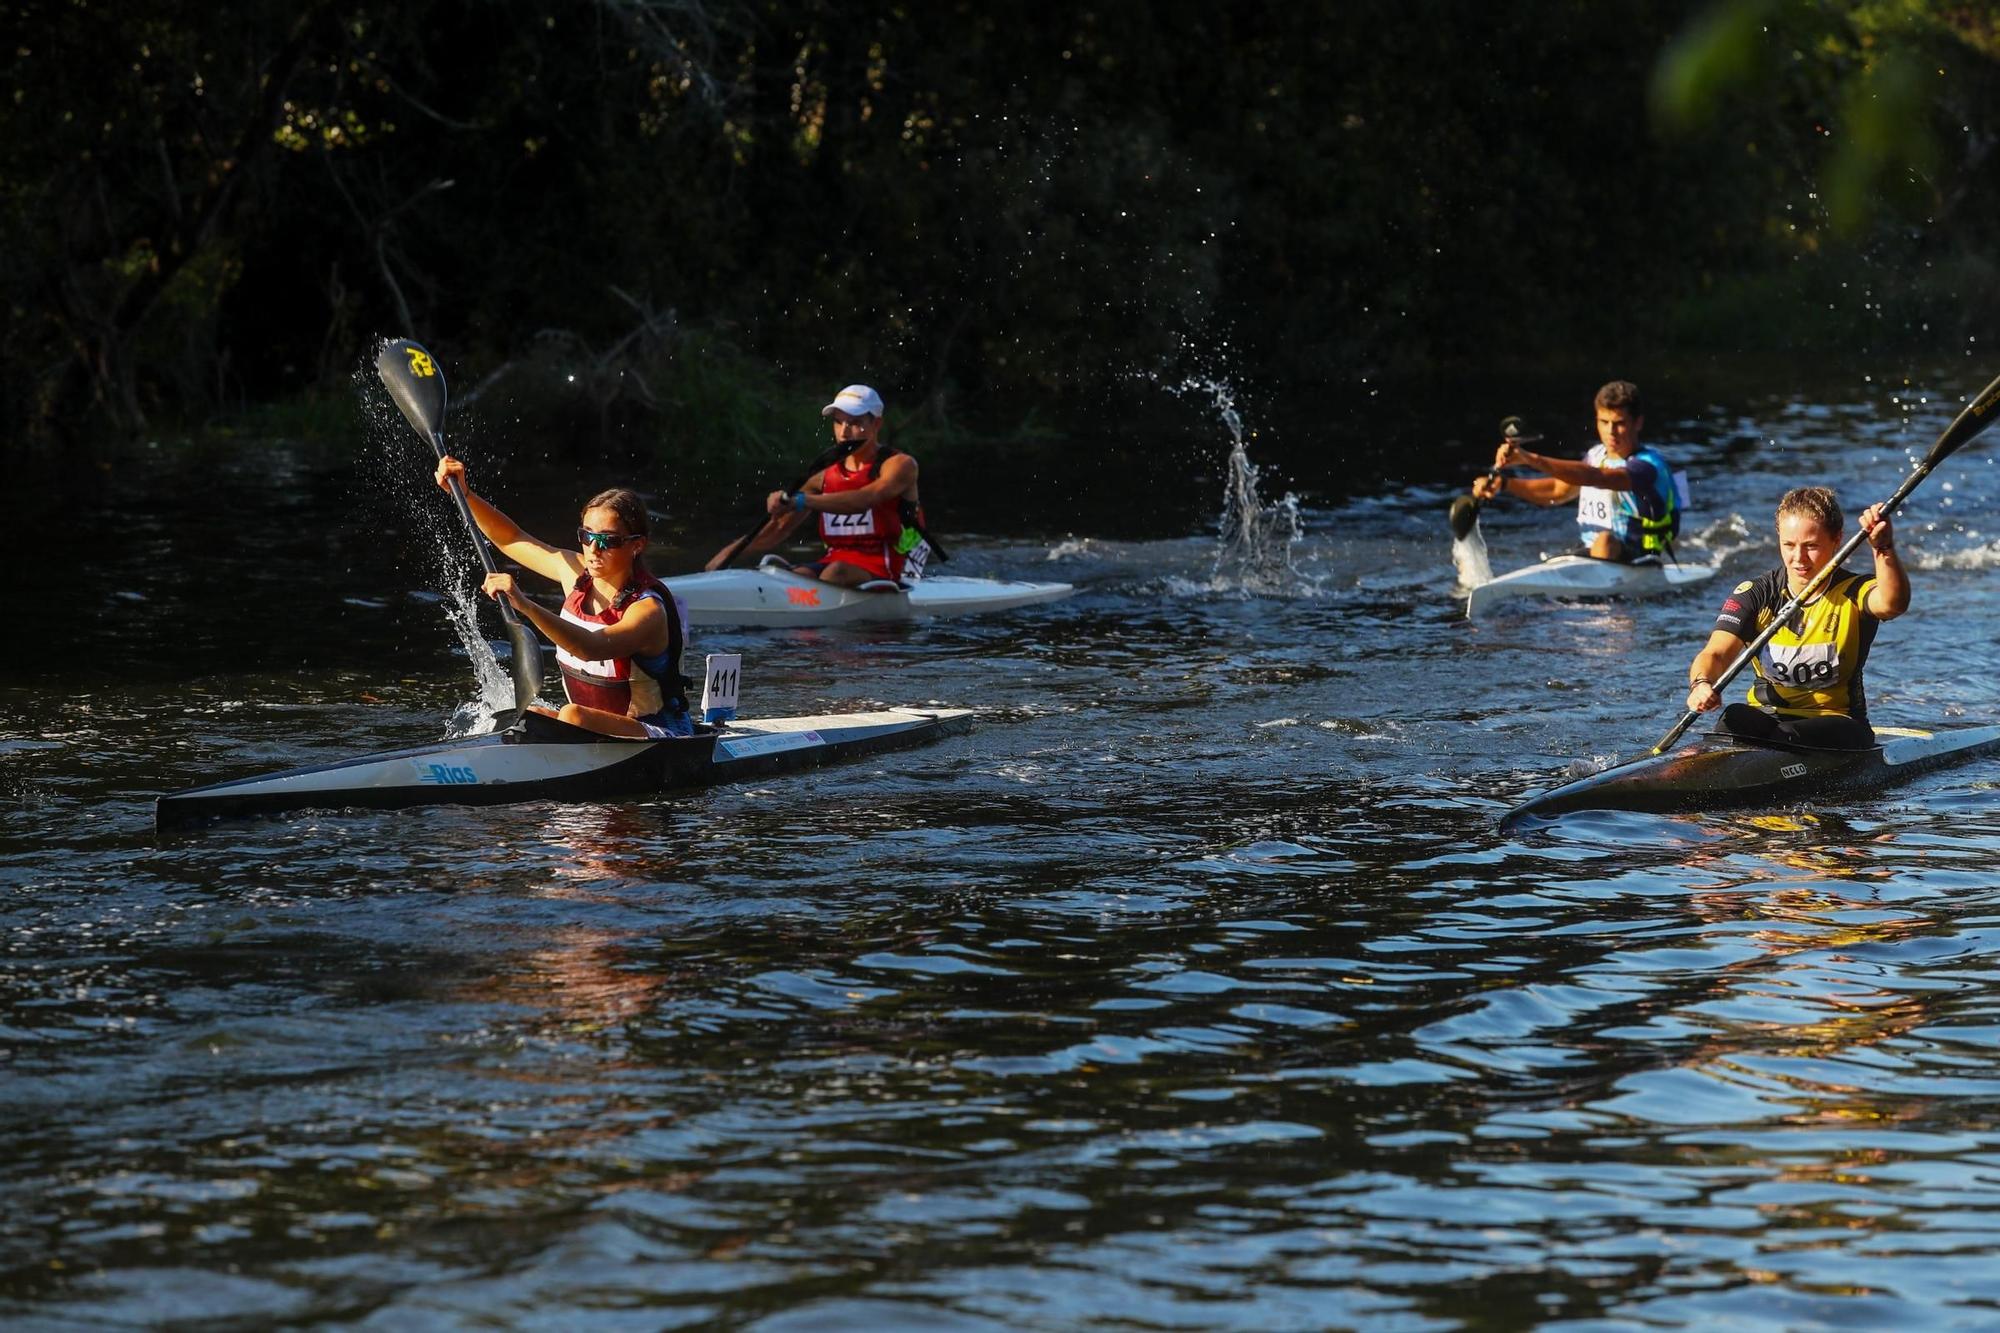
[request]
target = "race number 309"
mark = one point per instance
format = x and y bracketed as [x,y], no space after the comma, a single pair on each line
[1802,666]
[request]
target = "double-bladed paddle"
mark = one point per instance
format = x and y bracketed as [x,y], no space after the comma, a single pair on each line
[414,380]
[1464,513]
[1977,416]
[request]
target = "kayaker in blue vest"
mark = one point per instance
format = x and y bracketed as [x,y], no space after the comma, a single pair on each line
[1627,504]
[1807,688]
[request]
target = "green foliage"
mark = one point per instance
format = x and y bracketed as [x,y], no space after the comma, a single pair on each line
[1883,84]
[743,206]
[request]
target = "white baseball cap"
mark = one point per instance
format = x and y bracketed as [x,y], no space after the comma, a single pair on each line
[857,400]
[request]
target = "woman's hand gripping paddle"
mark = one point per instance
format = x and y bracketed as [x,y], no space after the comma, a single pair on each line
[414,380]
[1977,416]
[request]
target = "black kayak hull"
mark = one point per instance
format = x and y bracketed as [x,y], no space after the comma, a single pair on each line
[540,759]
[1717,772]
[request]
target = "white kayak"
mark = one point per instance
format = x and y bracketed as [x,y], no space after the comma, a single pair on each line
[771,595]
[537,758]
[1581,576]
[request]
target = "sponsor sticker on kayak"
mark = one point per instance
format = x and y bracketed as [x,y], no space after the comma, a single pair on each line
[449,775]
[776,742]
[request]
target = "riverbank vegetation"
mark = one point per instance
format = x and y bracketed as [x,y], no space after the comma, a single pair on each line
[670,229]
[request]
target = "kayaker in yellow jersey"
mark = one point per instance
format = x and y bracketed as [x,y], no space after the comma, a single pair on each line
[1808,677]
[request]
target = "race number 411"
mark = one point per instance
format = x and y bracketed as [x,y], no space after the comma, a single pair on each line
[723,678]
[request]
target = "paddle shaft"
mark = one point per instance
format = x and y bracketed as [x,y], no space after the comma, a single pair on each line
[479,542]
[1976,416]
[414,381]
[721,559]
[521,640]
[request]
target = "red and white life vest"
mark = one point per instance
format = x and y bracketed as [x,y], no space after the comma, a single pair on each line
[867,539]
[613,684]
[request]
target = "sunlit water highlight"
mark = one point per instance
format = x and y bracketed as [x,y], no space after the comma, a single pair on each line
[1195,988]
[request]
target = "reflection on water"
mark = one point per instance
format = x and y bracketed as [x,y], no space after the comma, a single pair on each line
[1194,988]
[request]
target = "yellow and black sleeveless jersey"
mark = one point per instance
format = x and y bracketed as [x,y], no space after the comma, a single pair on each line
[1811,666]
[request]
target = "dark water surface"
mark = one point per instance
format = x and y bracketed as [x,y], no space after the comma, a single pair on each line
[1194,988]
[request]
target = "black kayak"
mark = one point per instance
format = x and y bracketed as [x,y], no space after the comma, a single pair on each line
[1717,772]
[538,758]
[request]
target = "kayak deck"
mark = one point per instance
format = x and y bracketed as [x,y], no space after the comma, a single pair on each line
[1582,576]
[539,758]
[1715,772]
[771,595]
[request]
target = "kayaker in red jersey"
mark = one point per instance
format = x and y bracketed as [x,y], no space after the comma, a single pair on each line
[866,504]
[1808,677]
[620,633]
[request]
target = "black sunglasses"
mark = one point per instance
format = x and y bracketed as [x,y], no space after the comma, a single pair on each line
[604,541]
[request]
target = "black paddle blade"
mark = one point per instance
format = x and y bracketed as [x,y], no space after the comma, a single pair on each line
[526,667]
[1977,416]
[1464,516]
[416,382]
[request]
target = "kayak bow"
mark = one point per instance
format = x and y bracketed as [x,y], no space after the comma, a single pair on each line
[1721,771]
[541,759]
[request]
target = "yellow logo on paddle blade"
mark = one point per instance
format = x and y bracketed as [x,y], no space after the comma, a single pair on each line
[421,364]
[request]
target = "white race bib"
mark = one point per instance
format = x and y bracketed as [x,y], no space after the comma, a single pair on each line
[1802,666]
[913,563]
[1597,508]
[847,525]
[722,677]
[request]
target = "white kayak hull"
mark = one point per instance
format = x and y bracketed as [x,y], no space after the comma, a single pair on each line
[538,758]
[1581,576]
[777,597]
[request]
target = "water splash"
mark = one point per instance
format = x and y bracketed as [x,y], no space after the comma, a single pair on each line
[461,600]
[1468,557]
[403,462]
[1729,535]
[1255,542]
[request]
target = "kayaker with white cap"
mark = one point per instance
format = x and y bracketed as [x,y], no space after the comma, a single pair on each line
[868,512]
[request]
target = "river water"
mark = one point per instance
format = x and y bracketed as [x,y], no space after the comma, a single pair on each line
[1193,988]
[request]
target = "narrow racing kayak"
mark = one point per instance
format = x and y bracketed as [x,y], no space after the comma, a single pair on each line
[771,595]
[1717,772]
[1581,576]
[538,758]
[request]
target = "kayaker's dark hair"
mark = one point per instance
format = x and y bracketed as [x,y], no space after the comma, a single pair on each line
[1817,503]
[1622,396]
[631,511]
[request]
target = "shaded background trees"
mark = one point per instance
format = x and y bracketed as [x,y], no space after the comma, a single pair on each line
[1000,217]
